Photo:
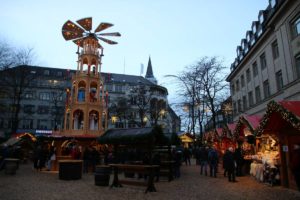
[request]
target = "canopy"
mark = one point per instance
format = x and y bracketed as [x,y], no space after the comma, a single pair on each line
[279,115]
[146,135]
[247,121]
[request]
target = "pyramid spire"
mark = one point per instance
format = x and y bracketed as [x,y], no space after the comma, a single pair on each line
[149,74]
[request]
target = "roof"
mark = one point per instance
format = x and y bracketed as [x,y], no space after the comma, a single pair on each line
[247,121]
[132,136]
[293,106]
[149,73]
[231,127]
[280,115]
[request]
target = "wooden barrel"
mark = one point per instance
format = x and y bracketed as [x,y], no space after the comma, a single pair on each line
[102,175]
[11,165]
[70,169]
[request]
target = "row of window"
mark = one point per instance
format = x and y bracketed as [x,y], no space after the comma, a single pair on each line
[42,109]
[45,96]
[116,88]
[235,87]
[242,104]
[42,124]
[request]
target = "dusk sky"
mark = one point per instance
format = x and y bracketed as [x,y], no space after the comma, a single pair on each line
[175,33]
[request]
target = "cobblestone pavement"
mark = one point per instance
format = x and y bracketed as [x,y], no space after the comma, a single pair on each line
[29,184]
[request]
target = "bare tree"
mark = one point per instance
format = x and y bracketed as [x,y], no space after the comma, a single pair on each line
[201,86]
[121,109]
[211,71]
[141,96]
[16,77]
[157,110]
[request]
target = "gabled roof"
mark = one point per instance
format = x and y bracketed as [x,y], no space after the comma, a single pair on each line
[247,121]
[280,115]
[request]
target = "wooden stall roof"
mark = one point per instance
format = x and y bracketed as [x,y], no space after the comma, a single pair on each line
[279,115]
[134,136]
[249,121]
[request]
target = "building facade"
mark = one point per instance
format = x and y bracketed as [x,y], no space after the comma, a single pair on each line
[44,101]
[267,66]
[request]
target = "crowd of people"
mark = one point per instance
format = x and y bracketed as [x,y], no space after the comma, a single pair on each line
[208,158]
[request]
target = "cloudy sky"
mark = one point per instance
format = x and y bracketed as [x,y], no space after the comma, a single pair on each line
[175,33]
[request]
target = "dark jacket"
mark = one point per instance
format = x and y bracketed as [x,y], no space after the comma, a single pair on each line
[228,161]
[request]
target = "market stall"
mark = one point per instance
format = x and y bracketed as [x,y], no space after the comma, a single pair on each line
[244,136]
[227,139]
[277,138]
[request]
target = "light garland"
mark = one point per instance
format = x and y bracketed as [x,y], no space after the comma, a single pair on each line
[284,113]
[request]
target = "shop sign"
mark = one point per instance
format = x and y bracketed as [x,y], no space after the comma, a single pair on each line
[285,148]
[43,132]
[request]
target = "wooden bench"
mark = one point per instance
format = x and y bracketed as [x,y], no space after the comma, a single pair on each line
[148,170]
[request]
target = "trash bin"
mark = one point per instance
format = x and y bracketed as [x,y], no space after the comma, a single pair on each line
[102,175]
[11,165]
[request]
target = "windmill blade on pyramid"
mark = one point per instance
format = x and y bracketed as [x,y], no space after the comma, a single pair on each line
[107,40]
[103,26]
[71,31]
[117,34]
[86,23]
[78,33]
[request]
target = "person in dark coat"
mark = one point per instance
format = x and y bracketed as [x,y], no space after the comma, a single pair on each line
[203,158]
[295,164]
[213,162]
[238,157]
[187,156]
[229,164]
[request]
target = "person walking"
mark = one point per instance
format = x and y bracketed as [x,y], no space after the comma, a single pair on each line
[203,158]
[213,162]
[229,164]
[238,157]
[187,156]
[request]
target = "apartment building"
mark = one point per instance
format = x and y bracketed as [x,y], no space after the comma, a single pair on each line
[267,66]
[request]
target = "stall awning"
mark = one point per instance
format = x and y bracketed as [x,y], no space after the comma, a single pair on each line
[279,115]
[251,122]
[134,136]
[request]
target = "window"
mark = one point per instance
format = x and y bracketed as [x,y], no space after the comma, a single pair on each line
[248,75]
[243,81]
[232,89]
[255,69]
[257,94]
[44,96]
[46,72]
[43,110]
[275,49]
[250,97]
[27,124]
[29,109]
[273,3]
[279,80]
[28,95]
[234,108]
[42,124]
[263,61]
[296,27]
[244,103]
[237,83]
[119,88]
[239,105]
[298,66]
[266,88]
[59,73]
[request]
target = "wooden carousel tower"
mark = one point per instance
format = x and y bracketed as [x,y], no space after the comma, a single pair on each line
[86,104]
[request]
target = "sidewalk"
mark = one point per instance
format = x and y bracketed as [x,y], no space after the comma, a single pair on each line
[32,185]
